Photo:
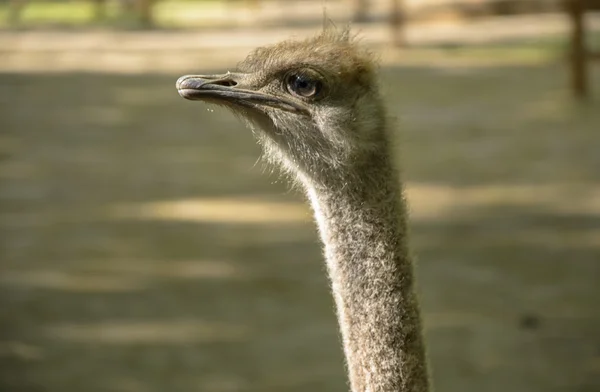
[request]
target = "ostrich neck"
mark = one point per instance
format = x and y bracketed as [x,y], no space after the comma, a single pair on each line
[362,223]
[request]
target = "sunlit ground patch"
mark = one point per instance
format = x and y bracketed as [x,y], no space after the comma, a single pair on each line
[225,210]
[147,332]
[71,281]
[434,201]
[426,202]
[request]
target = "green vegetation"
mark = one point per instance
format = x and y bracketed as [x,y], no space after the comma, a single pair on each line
[35,13]
[170,13]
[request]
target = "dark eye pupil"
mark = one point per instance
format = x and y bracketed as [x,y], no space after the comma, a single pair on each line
[304,86]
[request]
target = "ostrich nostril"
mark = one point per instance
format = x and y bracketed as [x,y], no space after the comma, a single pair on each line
[225,82]
[195,82]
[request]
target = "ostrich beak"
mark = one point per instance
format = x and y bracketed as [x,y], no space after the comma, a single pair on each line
[228,89]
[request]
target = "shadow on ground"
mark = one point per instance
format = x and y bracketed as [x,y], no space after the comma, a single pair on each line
[143,249]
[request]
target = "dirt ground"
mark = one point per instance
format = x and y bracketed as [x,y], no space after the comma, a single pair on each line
[143,249]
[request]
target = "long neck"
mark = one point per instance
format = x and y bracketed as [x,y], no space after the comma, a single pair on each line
[362,222]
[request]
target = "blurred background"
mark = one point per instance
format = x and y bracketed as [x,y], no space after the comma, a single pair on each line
[144,249]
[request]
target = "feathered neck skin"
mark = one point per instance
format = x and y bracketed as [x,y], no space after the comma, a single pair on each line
[363,227]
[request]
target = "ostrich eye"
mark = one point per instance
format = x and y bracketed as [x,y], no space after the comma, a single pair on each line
[303,85]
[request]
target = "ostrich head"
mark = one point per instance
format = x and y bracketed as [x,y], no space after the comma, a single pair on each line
[314,104]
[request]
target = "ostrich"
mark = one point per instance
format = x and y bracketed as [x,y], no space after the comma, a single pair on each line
[315,108]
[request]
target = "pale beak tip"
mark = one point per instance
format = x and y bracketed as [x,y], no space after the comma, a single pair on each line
[180,81]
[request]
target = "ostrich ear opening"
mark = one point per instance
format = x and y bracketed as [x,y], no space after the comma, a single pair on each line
[233,88]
